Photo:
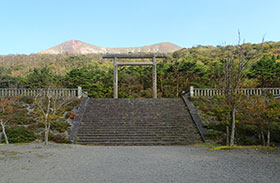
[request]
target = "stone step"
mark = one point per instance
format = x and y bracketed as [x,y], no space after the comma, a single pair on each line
[147,143]
[133,140]
[123,130]
[134,134]
[175,133]
[135,128]
[140,117]
[142,138]
[134,124]
[138,130]
[115,122]
[162,134]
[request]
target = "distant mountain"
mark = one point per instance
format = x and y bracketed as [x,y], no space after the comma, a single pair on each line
[79,47]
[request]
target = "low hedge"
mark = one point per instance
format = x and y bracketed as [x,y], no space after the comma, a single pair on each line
[20,135]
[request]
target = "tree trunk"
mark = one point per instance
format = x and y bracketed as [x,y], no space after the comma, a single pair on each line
[227,137]
[268,133]
[232,135]
[47,123]
[46,130]
[46,135]
[177,87]
[161,86]
[259,132]
[268,138]
[262,136]
[4,132]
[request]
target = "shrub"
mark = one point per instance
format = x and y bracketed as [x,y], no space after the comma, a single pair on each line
[275,132]
[72,115]
[35,126]
[20,117]
[217,136]
[218,126]
[60,126]
[20,135]
[58,138]
[27,100]
[245,140]
[70,106]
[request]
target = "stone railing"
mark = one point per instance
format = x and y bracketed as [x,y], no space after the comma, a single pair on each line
[195,116]
[33,92]
[208,92]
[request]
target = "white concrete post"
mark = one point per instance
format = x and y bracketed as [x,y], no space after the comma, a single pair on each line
[191,91]
[79,92]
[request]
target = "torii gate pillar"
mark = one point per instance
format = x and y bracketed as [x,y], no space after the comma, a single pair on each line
[115,77]
[154,77]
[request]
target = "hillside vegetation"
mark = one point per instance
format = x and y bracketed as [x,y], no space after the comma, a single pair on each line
[200,66]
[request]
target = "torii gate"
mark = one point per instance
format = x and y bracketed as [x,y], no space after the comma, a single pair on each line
[130,56]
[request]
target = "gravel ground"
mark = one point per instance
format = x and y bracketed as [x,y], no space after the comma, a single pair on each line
[37,163]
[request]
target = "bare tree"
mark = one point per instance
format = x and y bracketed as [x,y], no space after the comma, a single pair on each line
[49,107]
[6,108]
[236,60]
[3,126]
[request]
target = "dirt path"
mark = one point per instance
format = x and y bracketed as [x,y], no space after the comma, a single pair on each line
[37,163]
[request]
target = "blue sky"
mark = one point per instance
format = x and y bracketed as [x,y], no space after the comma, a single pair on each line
[29,26]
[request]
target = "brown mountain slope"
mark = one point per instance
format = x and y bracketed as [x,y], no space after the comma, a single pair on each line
[74,47]
[79,47]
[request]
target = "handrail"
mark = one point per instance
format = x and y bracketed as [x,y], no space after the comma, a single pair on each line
[208,92]
[195,116]
[33,92]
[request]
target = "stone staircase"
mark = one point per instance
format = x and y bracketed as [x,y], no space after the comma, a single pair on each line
[137,122]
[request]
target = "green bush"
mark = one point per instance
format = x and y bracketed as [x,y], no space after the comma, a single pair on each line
[20,117]
[275,132]
[35,126]
[60,126]
[217,136]
[70,106]
[242,139]
[27,100]
[248,130]
[218,126]
[56,138]
[20,135]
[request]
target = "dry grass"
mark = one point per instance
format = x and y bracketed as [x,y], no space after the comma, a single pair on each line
[268,148]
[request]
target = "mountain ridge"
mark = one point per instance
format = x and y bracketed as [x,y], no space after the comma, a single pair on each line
[80,47]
